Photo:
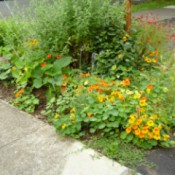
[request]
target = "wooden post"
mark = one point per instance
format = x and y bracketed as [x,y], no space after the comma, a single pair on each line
[128,6]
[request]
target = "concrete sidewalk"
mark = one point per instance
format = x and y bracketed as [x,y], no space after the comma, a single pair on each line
[162,13]
[30,147]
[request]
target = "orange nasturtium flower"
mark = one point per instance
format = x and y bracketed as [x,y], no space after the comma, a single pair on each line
[141,135]
[43,64]
[89,115]
[64,76]
[128,130]
[58,57]
[21,91]
[49,55]
[126,82]
[150,86]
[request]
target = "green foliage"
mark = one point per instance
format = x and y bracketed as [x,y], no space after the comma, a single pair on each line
[92,105]
[25,101]
[128,93]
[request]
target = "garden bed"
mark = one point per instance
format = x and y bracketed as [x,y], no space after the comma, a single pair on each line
[90,78]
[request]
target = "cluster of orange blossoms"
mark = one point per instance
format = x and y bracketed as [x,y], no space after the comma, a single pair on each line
[152,58]
[44,64]
[20,92]
[145,127]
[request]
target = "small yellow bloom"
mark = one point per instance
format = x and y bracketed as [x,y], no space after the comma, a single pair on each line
[133,116]
[64,84]
[131,121]
[137,95]
[26,69]
[63,126]
[112,99]
[148,91]
[128,92]
[56,115]
[166,137]
[156,137]
[72,116]
[72,110]
[153,117]
[143,103]
[142,110]
[150,123]
[160,126]
[127,35]
[14,68]
[120,56]
[165,89]
[124,38]
[101,99]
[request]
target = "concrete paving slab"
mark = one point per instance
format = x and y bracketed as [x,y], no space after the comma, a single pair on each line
[40,153]
[15,124]
[31,147]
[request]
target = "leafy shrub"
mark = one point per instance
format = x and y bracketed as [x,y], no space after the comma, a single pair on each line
[108,107]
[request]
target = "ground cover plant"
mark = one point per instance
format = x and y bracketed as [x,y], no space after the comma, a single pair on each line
[98,80]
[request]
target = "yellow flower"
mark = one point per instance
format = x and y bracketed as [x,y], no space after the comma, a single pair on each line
[143,103]
[131,121]
[153,117]
[127,35]
[112,99]
[132,116]
[165,89]
[101,99]
[72,116]
[150,123]
[72,110]
[160,126]
[33,42]
[115,93]
[148,91]
[139,121]
[128,92]
[166,137]
[64,84]
[137,95]
[56,115]
[124,38]
[150,135]
[148,60]
[142,110]
[26,69]
[156,137]
[120,56]
[63,126]
[14,68]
